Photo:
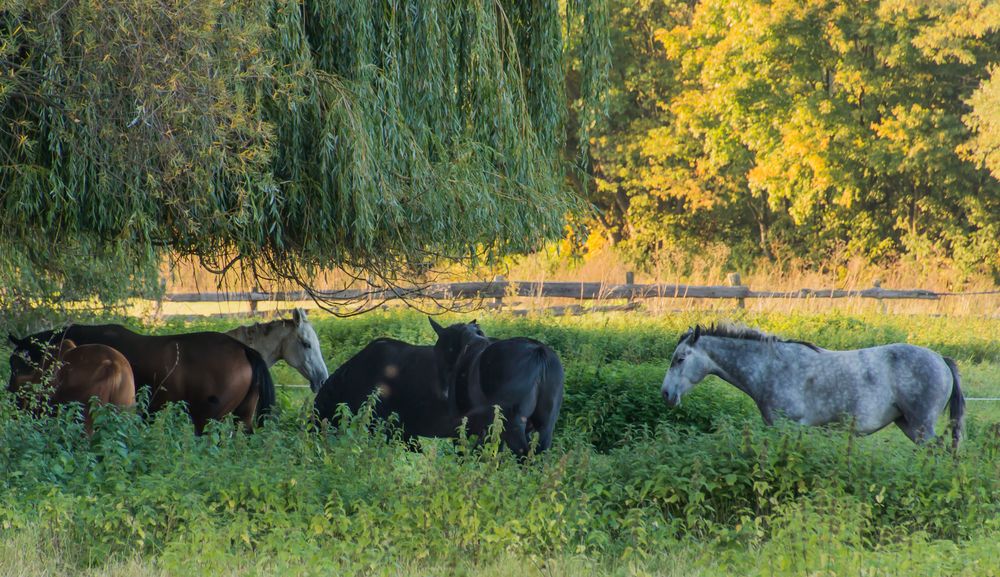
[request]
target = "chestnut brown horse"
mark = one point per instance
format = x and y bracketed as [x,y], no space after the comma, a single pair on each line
[213,373]
[77,375]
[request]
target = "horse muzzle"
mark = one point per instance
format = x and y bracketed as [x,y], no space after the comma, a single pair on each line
[672,400]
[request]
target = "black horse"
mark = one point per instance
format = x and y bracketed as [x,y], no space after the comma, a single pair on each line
[406,379]
[522,376]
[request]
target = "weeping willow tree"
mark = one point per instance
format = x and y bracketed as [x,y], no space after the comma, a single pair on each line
[286,136]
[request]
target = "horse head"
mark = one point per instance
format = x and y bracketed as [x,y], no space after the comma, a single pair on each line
[688,366]
[32,363]
[25,360]
[301,349]
[453,342]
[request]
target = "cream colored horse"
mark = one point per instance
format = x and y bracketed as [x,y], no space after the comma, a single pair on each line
[293,340]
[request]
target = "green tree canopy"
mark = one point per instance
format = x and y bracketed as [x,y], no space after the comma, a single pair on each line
[812,126]
[291,134]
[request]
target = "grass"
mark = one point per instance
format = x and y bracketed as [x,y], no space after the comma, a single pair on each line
[631,487]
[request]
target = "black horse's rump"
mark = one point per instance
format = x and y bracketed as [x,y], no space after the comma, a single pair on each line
[406,379]
[522,376]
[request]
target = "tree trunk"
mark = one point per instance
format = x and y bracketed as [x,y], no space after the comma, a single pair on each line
[762,216]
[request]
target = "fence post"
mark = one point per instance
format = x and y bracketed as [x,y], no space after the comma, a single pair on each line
[253,299]
[498,300]
[733,279]
[877,284]
[629,281]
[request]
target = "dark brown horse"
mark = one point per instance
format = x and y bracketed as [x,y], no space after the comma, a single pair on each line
[213,373]
[78,374]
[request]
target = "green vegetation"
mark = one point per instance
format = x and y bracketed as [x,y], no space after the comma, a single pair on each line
[632,487]
[385,137]
[804,129]
[291,134]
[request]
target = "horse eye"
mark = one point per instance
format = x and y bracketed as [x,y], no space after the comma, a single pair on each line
[678,361]
[306,345]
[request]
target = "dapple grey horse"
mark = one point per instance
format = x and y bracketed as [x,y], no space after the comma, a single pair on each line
[900,383]
[293,340]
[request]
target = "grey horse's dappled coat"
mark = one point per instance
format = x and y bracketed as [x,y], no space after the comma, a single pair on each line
[871,387]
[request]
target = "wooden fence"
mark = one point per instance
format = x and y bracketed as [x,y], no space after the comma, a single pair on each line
[501,288]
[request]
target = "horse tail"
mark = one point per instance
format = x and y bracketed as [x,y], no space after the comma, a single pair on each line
[260,379]
[956,406]
[554,368]
[106,373]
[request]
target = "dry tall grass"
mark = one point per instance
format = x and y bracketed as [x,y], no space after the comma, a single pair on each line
[602,263]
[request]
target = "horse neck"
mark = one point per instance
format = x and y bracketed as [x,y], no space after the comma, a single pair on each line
[266,342]
[748,365]
[476,346]
[466,374]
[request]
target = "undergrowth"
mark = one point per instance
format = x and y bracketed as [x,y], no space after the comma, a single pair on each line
[630,487]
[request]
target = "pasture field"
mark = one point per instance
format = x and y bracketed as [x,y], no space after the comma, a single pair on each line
[631,487]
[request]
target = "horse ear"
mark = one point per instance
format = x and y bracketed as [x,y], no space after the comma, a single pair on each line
[695,335]
[437,328]
[13,340]
[298,315]
[474,322]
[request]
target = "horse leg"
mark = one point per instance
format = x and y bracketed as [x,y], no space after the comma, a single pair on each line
[766,414]
[919,431]
[545,427]
[545,423]
[247,409]
[918,419]
[514,434]
[199,422]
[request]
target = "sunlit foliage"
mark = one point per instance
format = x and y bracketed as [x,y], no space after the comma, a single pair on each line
[804,128]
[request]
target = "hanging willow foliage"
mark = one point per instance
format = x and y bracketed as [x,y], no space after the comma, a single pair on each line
[371,135]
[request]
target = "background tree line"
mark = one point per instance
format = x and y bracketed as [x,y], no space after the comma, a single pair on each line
[803,127]
[282,137]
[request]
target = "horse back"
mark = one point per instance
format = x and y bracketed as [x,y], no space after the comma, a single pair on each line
[398,368]
[94,370]
[512,369]
[918,363]
[155,358]
[406,379]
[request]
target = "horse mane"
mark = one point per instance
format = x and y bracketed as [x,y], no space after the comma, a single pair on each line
[743,332]
[266,328]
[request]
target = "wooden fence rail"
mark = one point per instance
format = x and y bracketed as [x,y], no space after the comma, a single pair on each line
[575,290]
